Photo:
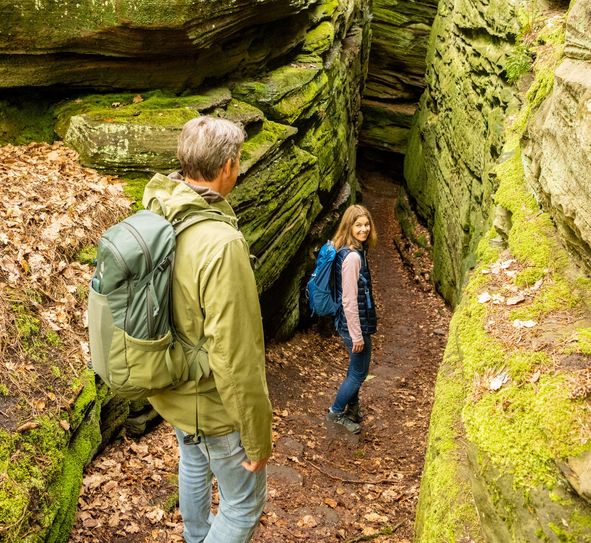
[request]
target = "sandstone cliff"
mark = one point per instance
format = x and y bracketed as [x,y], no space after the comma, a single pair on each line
[497,163]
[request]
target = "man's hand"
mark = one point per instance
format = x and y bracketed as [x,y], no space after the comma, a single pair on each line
[255,465]
[358,346]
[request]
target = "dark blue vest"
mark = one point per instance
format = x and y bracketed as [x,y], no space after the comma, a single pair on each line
[365,302]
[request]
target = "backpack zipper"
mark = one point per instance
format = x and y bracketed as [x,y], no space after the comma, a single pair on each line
[123,265]
[148,257]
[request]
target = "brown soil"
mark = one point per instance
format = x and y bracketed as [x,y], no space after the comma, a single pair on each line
[325,485]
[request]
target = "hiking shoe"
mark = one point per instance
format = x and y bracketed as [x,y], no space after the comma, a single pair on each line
[340,418]
[353,412]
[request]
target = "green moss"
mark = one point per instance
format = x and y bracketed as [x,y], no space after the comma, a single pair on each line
[27,325]
[41,471]
[26,117]
[584,340]
[319,39]
[445,511]
[133,187]
[86,255]
[325,10]
[519,63]
[555,296]
[522,364]
[155,108]
[524,429]
[53,340]
[479,351]
[56,372]
[4,390]
[285,93]
[262,142]
[83,447]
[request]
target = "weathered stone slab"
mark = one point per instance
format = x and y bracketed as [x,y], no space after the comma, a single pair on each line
[141,43]
[560,154]
[578,31]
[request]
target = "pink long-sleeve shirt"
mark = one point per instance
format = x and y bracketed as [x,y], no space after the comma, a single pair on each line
[350,285]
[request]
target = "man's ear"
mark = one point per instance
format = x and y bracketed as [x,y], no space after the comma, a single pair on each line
[227,167]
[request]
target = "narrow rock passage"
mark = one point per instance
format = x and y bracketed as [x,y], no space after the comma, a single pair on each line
[325,485]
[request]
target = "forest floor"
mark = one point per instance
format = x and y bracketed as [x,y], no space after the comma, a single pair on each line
[324,484]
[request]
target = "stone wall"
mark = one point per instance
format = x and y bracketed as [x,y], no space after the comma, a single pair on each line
[457,133]
[509,444]
[396,73]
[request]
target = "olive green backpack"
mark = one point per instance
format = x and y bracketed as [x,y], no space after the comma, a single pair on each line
[134,347]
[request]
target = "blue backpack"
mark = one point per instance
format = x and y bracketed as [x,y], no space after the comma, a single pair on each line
[320,287]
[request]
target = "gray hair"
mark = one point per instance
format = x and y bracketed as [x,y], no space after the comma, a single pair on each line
[206,144]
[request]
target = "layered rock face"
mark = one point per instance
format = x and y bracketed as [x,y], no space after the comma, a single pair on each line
[396,73]
[508,454]
[458,131]
[559,147]
[140,44]
[301,122]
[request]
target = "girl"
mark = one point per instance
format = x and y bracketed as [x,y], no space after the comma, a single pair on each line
[356,318]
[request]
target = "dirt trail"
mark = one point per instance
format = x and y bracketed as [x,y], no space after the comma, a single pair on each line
[324,484]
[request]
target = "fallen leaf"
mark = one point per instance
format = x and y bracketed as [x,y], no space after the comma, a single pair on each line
[524,324]
[330,502]
[137,99]
[497,382]
[375,517]
[535,377]
[307,521]
[90,523]
[65,425]
[484,297]
[514,300]
[27,426]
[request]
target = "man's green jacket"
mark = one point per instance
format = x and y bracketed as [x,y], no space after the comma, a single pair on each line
[215,295]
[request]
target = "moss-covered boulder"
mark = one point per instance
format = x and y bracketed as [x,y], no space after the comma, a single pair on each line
[458,132]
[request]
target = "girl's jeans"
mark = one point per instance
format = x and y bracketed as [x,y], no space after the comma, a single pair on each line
[348,393]
[242,493]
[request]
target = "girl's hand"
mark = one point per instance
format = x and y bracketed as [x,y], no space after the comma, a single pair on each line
[358,346]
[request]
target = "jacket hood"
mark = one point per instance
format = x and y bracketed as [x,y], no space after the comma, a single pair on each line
[174,199]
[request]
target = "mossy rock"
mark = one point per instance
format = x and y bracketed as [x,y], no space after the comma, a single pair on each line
[41,471]
[288,93]
[276,204]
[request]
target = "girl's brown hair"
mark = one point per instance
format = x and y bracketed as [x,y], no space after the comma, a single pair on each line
[343,236]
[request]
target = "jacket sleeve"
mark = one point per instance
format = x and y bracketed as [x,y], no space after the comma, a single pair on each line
[233,326]
[350,281]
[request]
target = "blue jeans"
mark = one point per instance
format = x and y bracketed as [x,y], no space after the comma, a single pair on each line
[242,493]
[348,393]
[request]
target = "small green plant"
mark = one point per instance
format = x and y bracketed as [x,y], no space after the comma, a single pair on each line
[519,63]
[87,255]
[56,372]
[4,390]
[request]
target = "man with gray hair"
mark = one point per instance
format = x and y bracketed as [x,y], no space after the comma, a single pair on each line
[223,419]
